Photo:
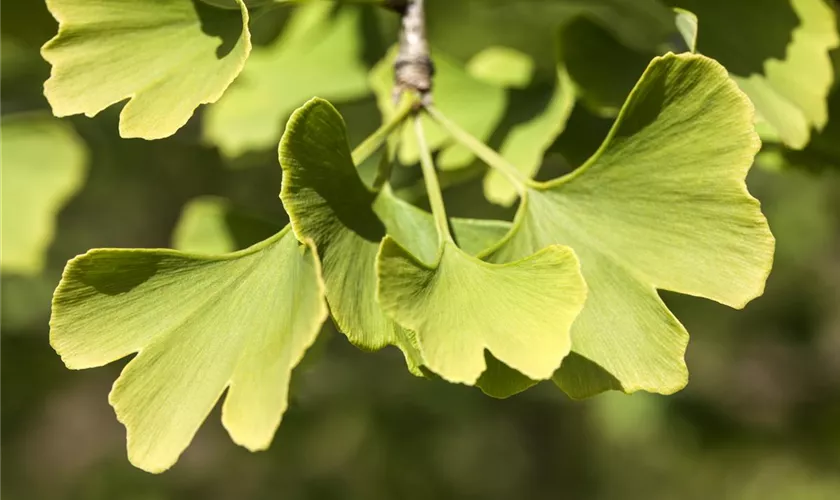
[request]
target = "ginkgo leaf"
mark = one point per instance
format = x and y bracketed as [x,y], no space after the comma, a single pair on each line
[778,52]
[209,225]
[662,204]
[603,69]
[328,202]
[502,66]
[640,24]
[43,165]
[200,325]
[460,306]
[537,116]
[687,25]
[166,58]
[318,53]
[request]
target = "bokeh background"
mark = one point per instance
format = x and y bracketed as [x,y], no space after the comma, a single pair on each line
[760,418]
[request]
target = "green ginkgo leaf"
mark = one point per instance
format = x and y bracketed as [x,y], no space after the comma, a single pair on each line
[318,53]
[640,24]
[209,225]
[43,165]
[661,205]
[461,307]
[687,26]
[328,202]
[535,116]
[166,58]
[200,325]
[778,52]
[604,70]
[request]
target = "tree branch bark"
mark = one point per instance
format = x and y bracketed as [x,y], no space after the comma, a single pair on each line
[413,69]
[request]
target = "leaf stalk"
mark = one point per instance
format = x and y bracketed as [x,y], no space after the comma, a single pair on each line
[375,141]
[484,152]
[433,190]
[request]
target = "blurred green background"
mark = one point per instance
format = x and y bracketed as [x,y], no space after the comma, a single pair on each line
[760,418]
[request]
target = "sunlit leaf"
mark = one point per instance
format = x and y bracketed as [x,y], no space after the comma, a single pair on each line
[165,57]
[319,53]
[458,305]
[201,325]
[662,204]
[777,50]
[43,165]
[328,202]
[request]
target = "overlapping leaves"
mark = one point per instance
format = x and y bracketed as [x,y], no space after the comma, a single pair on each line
[569,289]
[329,204]
[662,204]
[532,113]
[781,62]
[318,53]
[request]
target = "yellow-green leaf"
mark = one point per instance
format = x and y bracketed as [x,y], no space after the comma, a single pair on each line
[165,57]
[200,325]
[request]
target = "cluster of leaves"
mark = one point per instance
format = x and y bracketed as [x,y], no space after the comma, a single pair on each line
[566,291]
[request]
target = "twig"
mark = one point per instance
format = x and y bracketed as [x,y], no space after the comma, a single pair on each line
[413,69]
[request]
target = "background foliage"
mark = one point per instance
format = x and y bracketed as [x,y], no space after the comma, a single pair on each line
[758,419]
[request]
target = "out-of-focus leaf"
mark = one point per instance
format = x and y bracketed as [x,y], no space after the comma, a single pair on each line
[43,165]
[463,28]
[475,104]
[525,120]
[201,325]
[777,51]
[662,204]
[603,69]
[687,26]
[502,66]
[534,119]
[209,225]
[318,53]
[166,58]
[823,152]
[27,24]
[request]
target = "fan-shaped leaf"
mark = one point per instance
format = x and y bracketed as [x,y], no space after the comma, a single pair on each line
[328,202]
[459,306]
[777,50]
[43,165]
[240,321]
[166,56]
[662,204]
[318,53]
